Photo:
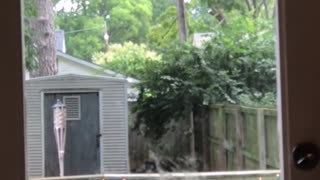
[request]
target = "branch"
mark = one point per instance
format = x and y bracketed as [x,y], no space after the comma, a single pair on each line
[254,3]
[248,5]
[166,33]
[219,15]
[265,3]
[257,10]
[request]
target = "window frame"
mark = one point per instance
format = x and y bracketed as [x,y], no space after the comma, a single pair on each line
[12,151]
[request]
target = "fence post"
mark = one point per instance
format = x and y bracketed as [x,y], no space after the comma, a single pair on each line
[211,139]
[239,138]
[220,132]
[217,138]
[261,138]
[205,140]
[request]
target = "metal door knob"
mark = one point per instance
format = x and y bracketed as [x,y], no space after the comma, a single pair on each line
[306,156]
[98,136]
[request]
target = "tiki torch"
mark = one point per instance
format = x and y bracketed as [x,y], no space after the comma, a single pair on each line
[59,126]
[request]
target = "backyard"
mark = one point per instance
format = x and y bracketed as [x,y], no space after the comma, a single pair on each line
[152,89]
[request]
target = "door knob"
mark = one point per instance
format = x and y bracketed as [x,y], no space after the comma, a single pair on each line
[98,136]
[306,156]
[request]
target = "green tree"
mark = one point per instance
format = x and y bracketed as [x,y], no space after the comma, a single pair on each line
[254,8]
[244,50]
[239,62]
[165,30]
[129,59]
[158,7]
[86,25]
[39,37]
[84,35]
[129,20]
[30,52]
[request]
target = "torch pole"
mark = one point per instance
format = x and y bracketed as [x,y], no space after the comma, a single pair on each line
[59,114]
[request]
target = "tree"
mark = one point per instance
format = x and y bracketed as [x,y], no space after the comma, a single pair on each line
[129,59]
[84,35]
[172,90]
[44,38]
[30,47]
[165,31]
[254,8]
[158,7]
[126,20]
[238,62]
[182,20]
[129,20]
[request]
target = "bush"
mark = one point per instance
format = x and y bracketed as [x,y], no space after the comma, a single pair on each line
[129,59]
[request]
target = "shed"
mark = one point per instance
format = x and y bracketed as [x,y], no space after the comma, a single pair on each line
[97,126]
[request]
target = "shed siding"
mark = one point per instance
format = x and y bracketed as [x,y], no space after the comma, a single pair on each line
[113,107]
[67,67]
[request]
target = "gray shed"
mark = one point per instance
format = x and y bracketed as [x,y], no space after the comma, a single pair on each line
[97,126]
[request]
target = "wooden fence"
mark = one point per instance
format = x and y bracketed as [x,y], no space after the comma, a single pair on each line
[243,138]
[226,138]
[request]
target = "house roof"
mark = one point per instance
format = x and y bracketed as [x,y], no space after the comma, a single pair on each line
[95,67]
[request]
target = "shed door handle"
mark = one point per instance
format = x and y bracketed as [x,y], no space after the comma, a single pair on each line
[98,136]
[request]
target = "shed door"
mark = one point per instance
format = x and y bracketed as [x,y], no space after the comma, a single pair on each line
[82,154]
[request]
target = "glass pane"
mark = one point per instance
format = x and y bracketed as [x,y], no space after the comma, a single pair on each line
[147,89]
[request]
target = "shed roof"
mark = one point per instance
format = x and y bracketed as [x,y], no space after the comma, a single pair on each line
[95,67]
[76,76]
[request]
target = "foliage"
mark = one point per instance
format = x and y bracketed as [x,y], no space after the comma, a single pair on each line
[80,43]
[126,20]
[158,7]
[236,65]
[245,49]
[129,20]
[171,90]
[31,59]
[254,8]
[30,48]
[129,59]
[200,19]
[165,30]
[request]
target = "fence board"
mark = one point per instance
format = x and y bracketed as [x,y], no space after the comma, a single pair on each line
[261,139]
[227,138]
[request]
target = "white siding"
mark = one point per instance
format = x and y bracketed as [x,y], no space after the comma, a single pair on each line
[69,67]
[113,119]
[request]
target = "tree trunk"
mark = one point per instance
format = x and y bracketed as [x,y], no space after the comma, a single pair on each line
[219,15]
[182,21]
[255,9]
[248,5]
[44,39]
[266,8]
